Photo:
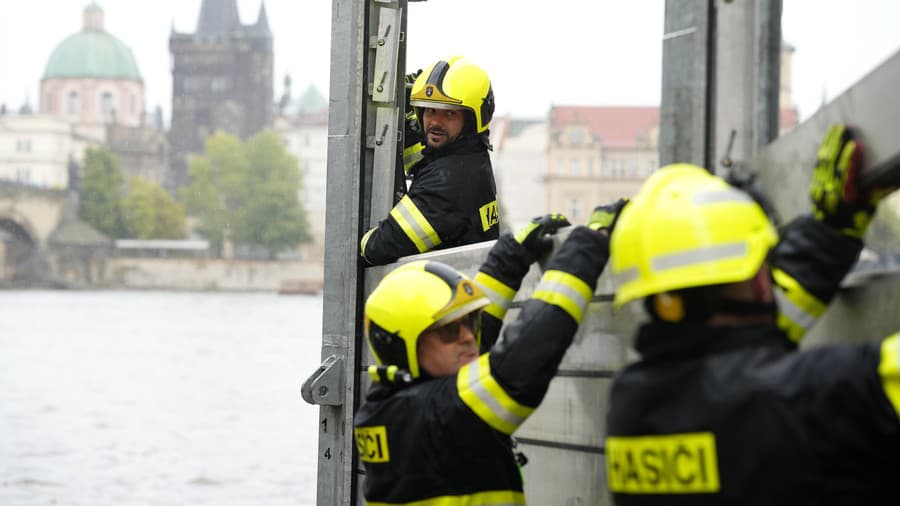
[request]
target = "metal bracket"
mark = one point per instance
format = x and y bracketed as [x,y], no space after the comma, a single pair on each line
[387,47]
[325,387]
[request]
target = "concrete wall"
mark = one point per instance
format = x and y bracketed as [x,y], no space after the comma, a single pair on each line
[209,274]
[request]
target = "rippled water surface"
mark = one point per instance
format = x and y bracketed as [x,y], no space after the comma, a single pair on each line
[152,398]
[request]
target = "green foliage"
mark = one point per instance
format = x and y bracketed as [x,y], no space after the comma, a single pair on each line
[148,212]
[247,193]
[145,212]
[101,192]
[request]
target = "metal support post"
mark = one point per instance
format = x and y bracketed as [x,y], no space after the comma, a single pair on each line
[367,55]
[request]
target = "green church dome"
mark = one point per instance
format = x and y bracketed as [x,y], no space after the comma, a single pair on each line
[92,52]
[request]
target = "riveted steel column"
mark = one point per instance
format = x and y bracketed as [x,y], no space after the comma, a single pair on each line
[686,82]
[747,67]
[720,74]
[336,476]
[367,55]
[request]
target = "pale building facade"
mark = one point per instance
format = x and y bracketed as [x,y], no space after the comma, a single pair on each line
[598,154]
[36,149]
[303,127]
[519,159]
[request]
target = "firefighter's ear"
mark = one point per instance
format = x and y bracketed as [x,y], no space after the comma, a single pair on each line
[666,306]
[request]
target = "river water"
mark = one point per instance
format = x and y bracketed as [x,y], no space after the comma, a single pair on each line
[154,398]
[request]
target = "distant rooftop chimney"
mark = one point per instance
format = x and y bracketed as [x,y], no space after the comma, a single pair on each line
[93,17]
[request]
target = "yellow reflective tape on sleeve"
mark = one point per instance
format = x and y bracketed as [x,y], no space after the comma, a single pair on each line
[481,392]
[500,294]
[889,369]
[414,225]
[489,498]
[798,310]
[373,373]
[364,241]
[670,464]
[566,291]
[372,444]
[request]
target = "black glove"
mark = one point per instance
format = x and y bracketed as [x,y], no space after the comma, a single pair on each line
[604,217]
[413,140]
[410,78]
[410,113]
[836,198]
[535,237]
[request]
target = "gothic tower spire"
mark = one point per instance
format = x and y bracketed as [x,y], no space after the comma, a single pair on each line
[218,16]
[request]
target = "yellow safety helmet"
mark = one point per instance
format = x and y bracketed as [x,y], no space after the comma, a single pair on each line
[455,83]
[687,228]
[414,298]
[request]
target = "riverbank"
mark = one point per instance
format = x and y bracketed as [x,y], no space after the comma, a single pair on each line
[186,274]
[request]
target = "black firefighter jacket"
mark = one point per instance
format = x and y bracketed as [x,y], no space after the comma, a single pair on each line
[732,416]
[446,441]
[452,201]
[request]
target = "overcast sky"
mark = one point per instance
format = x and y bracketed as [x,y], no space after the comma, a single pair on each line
[567,52]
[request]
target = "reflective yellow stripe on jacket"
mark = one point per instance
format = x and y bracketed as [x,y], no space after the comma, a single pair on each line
[798,310]
[481,392]
[500,294]
[414,225]
[889,369]
[492,498]
[364,241]
[565,291]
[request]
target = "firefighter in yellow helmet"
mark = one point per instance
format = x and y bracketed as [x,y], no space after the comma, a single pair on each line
[447,394]
[452,198]
[721,409]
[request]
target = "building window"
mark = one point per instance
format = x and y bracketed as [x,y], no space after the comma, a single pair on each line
[632,167]
[220,84]
[23,175]
[574,137]
[575,167]
[574,207]
[72,105]
[193,83]
[651,166]
[106,104]
[23,145]
[135,104]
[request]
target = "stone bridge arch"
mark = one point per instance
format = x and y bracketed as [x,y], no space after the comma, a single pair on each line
[19,245]
[28,217]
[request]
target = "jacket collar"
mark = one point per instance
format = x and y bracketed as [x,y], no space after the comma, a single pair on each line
[659,339]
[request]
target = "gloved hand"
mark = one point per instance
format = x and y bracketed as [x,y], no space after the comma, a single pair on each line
[413,141]
[535,237]
[836,198]
[410,113]
[604,217]
[410,78]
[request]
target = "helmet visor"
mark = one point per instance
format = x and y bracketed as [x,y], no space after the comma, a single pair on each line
[449,333]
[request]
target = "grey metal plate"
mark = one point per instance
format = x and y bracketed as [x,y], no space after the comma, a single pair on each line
[573,412]
[564,478]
